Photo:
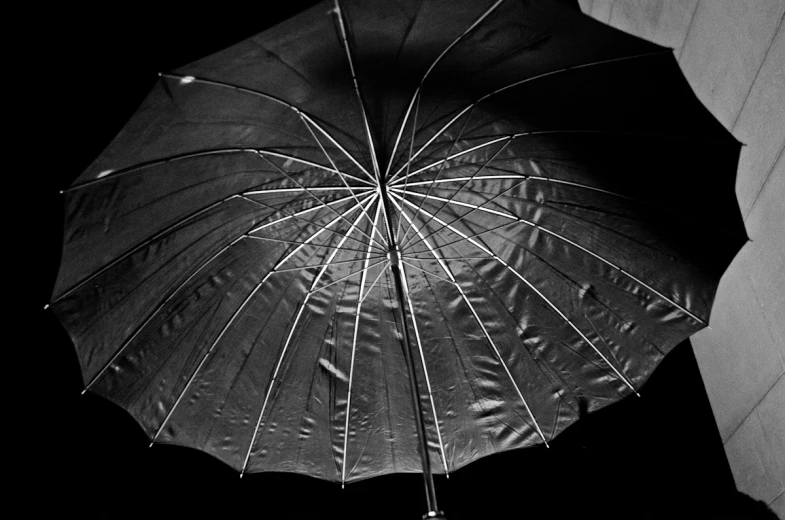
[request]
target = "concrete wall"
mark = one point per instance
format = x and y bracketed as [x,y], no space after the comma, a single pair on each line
[733,54]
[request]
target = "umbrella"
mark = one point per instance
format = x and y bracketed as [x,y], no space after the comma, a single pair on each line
[231,275]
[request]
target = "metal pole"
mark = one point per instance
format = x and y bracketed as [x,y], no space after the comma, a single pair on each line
[395,267]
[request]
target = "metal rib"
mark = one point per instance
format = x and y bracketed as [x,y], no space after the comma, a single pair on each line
[539,178]
[304,211]
[272,382]
[223,84]
[480,323]
[336,168]
[501,193]
[293,158]
[539,293]
[305,221]
[331,264]
[438,133]
[368,134]
[424,271]
[521,82]
[438,173]
[191,155]
[354,350]
[282,241]
[350,275]
[288,339]
[575,244]
[430,188]
[162,304]
[317,198]
[206,355]
[231,320]
[425,371]
[155,313]
[140,245]
[312,188]
[373,284]
[427,72]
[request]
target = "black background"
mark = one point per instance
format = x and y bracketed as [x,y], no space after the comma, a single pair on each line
[658,456]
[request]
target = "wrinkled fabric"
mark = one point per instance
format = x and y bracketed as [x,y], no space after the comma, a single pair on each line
[563,204]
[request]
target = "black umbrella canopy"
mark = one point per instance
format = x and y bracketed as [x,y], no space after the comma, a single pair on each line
[545,244]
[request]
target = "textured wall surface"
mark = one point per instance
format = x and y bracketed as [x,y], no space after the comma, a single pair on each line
[733,54]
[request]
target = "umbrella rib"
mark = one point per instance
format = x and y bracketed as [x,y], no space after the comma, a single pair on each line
[272,382]
[398,180]
[378,276]
[312,266]
[231,320]
[223,84]
[416,259]
[336,169]
[441,169]
[521,82]
[425,371]
[541,295]
[204,358]
[302,212]
[424,271]
[444,204]
[312,188]
[360,204]
[368,135]
[354,195]
[464,239]
[282,241]
[486,144]
[309,222]
[452,200]
[155,312]
[572,67]
[350,275]
[438,133]
[289,337]
[174,225]
[354,350]
[142,244]
[427,72]
[517,219]
[540,178]
[479,322]
[409,161]
[312,237]
[168,298]
[190,155]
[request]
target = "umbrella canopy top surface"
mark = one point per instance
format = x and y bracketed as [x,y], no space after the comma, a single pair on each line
[537,178]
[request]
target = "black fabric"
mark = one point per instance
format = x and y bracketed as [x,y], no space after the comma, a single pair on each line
[563,240]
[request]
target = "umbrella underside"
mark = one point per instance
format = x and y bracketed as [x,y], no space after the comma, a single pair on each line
[228,261]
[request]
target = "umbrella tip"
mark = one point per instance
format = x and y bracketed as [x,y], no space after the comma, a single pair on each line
[46,306]
[83,392]
[151,444]
[636,393]
[61,192]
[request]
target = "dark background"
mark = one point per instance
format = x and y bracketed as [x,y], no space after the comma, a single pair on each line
[658,456]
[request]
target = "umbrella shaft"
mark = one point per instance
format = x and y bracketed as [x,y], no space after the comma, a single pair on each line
[430,491]
[395,267]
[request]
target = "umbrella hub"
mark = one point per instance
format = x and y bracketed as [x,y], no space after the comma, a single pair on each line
[394,256]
